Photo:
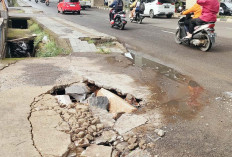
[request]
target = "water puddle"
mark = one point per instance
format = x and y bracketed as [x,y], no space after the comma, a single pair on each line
[141,61]
[178,97]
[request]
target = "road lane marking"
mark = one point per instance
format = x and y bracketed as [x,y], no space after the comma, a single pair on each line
[168,32]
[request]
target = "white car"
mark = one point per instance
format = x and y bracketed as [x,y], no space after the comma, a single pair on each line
[83,5]
[159,8]
[88,4]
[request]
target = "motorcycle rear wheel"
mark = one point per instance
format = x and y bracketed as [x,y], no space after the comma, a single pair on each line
[207,46]
[121,27]
[139,20]
[177,37]
[47,3]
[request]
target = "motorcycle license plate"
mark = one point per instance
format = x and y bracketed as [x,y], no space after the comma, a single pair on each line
[212,35]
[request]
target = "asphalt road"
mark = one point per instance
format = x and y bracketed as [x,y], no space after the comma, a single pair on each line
[155,39]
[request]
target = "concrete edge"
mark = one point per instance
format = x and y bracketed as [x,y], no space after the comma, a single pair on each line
[228,20]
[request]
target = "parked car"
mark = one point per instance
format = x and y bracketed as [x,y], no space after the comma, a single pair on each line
[88,4]
[159,8]
[225,9]
[69,6]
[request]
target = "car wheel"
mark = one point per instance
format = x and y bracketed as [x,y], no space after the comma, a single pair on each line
[62,12]
[78,12]
[151,14]
[58,10]
[169,16]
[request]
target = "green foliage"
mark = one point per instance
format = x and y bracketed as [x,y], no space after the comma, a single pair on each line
[33,27]
[103,51]
[50,49]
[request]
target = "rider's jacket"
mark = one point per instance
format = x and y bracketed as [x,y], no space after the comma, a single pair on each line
[196,9]
[209,10]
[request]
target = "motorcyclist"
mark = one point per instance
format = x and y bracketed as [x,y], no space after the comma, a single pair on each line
[209,14]
[133,8]
[117,6]
[196,9]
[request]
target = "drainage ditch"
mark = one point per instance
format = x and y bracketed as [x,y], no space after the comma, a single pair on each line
[20,41]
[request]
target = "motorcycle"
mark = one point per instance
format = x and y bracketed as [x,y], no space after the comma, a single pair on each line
[203,36]
[137,18]
[43,1]
[119,20]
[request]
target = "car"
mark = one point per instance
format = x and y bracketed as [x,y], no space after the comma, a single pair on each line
[88,4]
[225,8]
[159,8]
[69,6]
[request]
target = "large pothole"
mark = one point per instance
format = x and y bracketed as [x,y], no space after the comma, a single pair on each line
[86,115]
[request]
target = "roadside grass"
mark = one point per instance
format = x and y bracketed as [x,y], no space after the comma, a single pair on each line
[103,51]
[47,49]
[50,49]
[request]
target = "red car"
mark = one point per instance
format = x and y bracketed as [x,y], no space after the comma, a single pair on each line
[69,6]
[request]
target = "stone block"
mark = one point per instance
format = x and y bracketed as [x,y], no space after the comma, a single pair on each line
[100,102]
[116,104]
[64,99]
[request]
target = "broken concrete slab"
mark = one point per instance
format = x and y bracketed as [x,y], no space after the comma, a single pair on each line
[139,153]
[117,104]
[128,122]
[106,137]
[64,100]
[78,91]
[99,101]
[105,117]
[47,138]
[78,88]
[97,151]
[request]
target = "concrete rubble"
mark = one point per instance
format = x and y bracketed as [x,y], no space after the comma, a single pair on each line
[78,129]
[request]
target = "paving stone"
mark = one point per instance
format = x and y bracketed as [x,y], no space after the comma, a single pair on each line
[97,151]
[106,137]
